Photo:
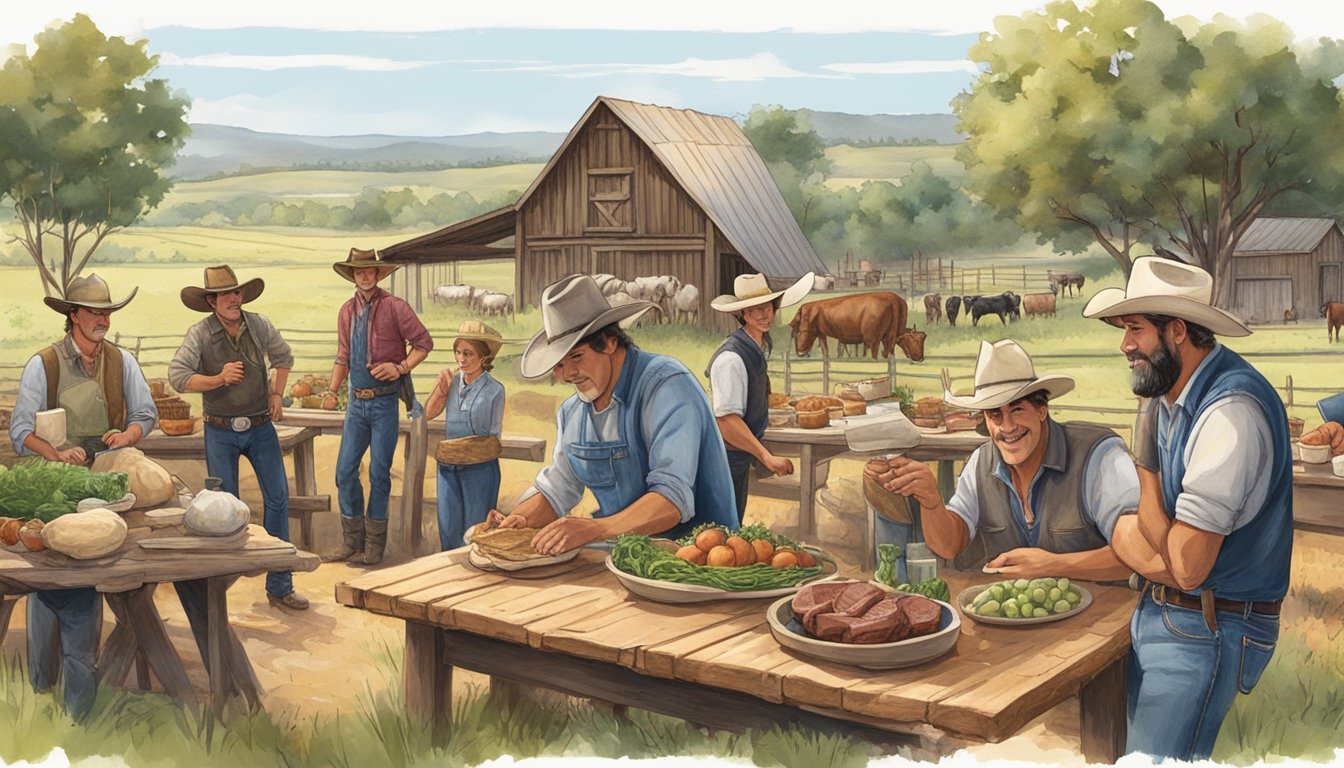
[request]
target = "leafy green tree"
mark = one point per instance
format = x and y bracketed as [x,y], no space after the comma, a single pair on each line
[87,135]
[780,137]
[1119,123]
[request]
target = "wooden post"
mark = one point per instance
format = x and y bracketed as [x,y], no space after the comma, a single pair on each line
[940,273]
[1289,387]
[788,371]
[912,274]
[1024,278]
[977,279]
[826,368]
[993,275]
[413,484]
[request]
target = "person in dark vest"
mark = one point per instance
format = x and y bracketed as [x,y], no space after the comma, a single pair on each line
[637,432]
[107,405]
[1213,535]
[226,357]
[739,380]
[1040,498]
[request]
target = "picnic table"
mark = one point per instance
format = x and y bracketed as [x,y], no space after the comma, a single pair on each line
[1318,498]
[716,664]
[127,579]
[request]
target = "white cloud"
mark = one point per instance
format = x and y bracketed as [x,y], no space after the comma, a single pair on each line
[911,67]
[310,61]
[762,66]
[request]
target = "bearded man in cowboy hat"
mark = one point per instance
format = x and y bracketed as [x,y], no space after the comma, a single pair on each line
[107,405]
[1040,498]
[225,357]
[379,341]
[740,381]
[1214,530]
[638,432]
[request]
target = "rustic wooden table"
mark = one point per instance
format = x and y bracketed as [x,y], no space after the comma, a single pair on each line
[716,664]
[1318,499]
[127,579]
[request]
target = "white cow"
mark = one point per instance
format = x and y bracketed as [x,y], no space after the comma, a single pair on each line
[686,304]
[823,283]
[456,293]
[495,303]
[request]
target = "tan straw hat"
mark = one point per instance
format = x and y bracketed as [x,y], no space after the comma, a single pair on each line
[571,308]
[91,292]
[220,279]
[1004,373]
[1165,287]
[750,290]
[360,258]
[479,331]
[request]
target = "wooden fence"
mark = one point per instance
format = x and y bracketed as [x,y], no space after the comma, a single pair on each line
[931,275]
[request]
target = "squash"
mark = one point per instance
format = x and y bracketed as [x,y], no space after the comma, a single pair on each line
[151,483]
[85,535]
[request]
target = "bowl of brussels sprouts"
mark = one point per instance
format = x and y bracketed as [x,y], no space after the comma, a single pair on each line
[1020,602]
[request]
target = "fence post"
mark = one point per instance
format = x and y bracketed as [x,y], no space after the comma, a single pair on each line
[1024,278]
[977,279]
[1290,391]
[826,372]
[993,274]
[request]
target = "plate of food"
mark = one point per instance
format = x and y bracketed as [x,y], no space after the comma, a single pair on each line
[716,564]
[857,623]
[1022,602]
[510,549]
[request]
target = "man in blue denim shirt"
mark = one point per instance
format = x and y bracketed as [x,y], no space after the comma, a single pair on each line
[1213,533]
[638,432]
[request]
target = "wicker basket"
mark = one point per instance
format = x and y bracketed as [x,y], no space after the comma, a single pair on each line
[173,409]
[814,419]
[177,427]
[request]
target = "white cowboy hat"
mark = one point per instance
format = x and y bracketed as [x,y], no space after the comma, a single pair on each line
[1004,373]
[479,331]
[750,290]
[1165,287]
[360,258]
[91,292]
[571,308]
[220,279]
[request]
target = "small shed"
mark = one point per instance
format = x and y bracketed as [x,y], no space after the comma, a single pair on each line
[1287,263]
[634,189]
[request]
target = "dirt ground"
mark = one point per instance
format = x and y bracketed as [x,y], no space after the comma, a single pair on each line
[330,658]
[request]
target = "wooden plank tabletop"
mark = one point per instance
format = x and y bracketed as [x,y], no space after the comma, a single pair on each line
[522,447]
[159,445]
[992,683]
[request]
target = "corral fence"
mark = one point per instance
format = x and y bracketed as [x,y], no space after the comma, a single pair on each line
[924,275]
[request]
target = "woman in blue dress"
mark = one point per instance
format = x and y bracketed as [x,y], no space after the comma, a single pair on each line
[473,403]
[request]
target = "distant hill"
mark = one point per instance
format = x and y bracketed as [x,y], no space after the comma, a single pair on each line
[213,151]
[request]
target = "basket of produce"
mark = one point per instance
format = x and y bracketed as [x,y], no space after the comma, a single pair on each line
[1021,602]
[857,623]
[312,391]
[715,564]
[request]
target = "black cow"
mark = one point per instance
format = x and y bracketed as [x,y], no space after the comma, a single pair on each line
[953,307]
[1005,304]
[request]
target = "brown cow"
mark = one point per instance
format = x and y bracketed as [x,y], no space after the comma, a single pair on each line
[933,308]
[1042,304]
[1333,312]
[872,319]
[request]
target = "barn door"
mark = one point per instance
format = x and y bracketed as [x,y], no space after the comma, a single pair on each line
[610,204]
[1263,299]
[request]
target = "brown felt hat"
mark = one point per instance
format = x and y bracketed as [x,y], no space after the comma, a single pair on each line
[358,258]
[220,279]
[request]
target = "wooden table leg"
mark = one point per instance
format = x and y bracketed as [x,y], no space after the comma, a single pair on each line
[136,609]
[429,679]
[7,603]
[1102,723]
[413,484]
[305,472]
[807,489]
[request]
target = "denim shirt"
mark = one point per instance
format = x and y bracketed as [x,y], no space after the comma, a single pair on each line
[360,377]
[665,424]
[477,409]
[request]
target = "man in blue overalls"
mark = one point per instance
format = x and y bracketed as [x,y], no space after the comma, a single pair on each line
[1214,529]
[638,432]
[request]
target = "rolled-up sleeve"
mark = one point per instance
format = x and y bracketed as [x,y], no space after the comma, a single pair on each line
[675,419]
[31,399]
[728,382]
[1110,485]
[186,360]
[139,401]
[1225,481]
[557,481]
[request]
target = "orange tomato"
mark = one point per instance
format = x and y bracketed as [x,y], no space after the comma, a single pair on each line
[742,551]
[709,539]
[805,558]
[692,554]
[784,559]
[764,550]
[721,556]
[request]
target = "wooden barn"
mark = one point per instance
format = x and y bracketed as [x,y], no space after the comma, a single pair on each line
[633,190]
[1285,263]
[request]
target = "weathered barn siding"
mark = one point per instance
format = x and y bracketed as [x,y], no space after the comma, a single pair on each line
[1269,278]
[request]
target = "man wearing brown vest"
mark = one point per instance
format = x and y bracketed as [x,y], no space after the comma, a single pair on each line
[107,405]
[1040,498]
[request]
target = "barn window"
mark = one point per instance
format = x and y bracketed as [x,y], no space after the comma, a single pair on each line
[610,204]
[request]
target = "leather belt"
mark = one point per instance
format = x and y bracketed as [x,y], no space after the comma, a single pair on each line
[237,423]
[372,392]
[1164,596]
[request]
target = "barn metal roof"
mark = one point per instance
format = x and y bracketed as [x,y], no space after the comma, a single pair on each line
[1283,235]
[716,164]
[467,240]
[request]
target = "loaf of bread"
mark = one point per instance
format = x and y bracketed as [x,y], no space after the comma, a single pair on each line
[780,400]
[818,403]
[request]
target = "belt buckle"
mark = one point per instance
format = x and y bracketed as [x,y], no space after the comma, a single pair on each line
[364,394]
[240,423]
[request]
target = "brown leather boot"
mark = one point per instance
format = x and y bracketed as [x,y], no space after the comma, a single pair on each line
[352,540]
[375,541]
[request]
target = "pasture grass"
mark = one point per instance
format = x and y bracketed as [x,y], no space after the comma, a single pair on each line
[852,166]
[340,187]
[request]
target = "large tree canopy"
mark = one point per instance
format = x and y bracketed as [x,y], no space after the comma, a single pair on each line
[1119,124]
[86,138]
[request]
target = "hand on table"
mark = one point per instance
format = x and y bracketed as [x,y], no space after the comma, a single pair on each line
[73,455]
[1024,563]
[116,438]
[565,534]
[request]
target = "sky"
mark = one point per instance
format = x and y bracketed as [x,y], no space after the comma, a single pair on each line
[420,69]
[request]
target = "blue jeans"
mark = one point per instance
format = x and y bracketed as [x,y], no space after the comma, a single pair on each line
[370,425]
[466,494]
[63,627]
[1183,678]
[262,448]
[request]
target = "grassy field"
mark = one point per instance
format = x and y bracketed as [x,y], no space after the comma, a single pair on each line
[851,166]
[340,186]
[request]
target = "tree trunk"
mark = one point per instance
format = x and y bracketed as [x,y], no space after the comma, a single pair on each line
[1223,284]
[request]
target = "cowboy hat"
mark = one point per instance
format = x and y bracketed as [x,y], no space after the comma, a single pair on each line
[750,290]
[571,308]
[220,279]
[1004,373]
[1159,286]
[91,292]
[360,258]
[476,330]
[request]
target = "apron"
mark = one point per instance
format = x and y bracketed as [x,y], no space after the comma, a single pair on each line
[85,408]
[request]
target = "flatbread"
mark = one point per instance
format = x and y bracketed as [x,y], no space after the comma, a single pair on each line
[507,543]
